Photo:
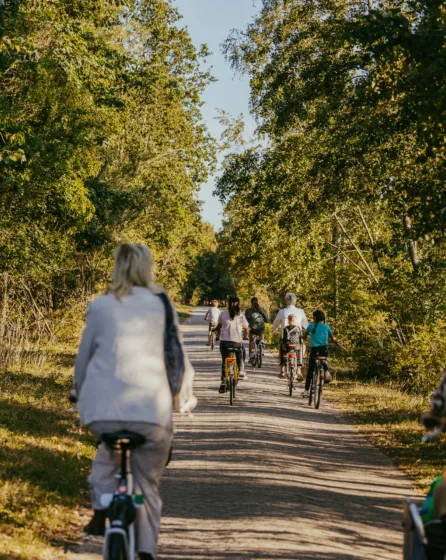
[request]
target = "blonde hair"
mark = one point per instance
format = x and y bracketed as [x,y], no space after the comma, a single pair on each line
[133,267]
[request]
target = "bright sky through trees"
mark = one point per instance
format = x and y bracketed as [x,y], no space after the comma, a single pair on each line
[210,22]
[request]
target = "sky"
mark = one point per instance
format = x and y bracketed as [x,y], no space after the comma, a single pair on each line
[210,22]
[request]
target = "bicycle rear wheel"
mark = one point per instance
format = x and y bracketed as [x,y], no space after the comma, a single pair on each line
[290,382]
[230,389]
[319,386]
[212,340]
[312,389]
[116,547]
[259,356]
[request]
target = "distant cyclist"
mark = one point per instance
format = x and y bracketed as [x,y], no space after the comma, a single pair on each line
[281,321]
[232,325]
[320,333]
[256,317]
[292,337]
[212,315]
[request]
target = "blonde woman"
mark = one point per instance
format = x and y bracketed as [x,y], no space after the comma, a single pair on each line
[122,384]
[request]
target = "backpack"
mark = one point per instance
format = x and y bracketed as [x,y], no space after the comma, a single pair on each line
[173,351]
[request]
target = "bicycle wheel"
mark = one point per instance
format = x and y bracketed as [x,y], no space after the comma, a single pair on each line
[116,548]
[319,387]
[312,389]
[259,356]
[212,339]
[290,381]
[230,389]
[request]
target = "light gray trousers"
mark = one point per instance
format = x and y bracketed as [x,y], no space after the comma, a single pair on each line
[147,465]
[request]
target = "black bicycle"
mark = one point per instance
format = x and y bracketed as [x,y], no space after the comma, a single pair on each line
[291,367]
[317,383]
[213,335]
[258,351]
[119,540]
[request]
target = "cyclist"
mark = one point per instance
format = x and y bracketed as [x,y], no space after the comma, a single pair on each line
[122,383]
[292,335]
[232,325]
[256,317]
[281,321]
[320,333]
[212,315]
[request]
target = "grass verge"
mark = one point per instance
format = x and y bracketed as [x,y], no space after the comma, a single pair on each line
[389,419]
[45,456]
[184,312]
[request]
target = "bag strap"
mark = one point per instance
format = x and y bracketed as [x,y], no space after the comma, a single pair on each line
[167,309]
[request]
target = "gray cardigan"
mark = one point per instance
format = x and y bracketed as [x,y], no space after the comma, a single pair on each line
[120,372]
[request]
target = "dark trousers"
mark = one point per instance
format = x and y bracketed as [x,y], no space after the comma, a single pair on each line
[224,345]
[315,351]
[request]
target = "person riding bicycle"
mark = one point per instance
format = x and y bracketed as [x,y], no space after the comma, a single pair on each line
[256,317]
[232,325]
[281,321]
[292,335]
[212,315]
[320,333]
[122,383]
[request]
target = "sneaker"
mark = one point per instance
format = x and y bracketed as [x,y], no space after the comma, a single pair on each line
[328,377]
[282,375]
[242,374]
[299,377]
[252,361]
[305,394]
[222,387]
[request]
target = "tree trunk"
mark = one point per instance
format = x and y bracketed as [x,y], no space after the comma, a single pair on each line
[412,244]
[335,241]
[372,241]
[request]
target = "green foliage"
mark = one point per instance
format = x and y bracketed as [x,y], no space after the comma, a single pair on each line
[345,203]
[101,140]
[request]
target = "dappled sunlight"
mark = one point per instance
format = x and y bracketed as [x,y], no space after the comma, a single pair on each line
[273,478]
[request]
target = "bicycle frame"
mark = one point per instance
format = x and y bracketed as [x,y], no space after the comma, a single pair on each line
[317,384]
[124,493]
[231,374]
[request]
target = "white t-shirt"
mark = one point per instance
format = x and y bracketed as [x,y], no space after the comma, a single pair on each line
[232,330]
[213,314]
[281,319]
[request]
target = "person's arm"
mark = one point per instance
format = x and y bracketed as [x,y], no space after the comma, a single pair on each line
[245,325]
[304,320]
[331,336]
[206,317]
[306,333]
[277,321]
[264,315]
[218,329]
[85,352]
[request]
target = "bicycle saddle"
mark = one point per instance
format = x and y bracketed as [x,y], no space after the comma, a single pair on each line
[118,440]
[291,345]
[234,349]
[321,357]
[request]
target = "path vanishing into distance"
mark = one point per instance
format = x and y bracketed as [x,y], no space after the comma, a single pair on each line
[270,477]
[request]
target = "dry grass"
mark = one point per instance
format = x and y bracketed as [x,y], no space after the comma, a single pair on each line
[389,418]
[45,456]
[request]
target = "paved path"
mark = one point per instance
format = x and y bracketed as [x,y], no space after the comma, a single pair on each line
[271,478]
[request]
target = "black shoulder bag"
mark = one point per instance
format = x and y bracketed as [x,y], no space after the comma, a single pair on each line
[173,351]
